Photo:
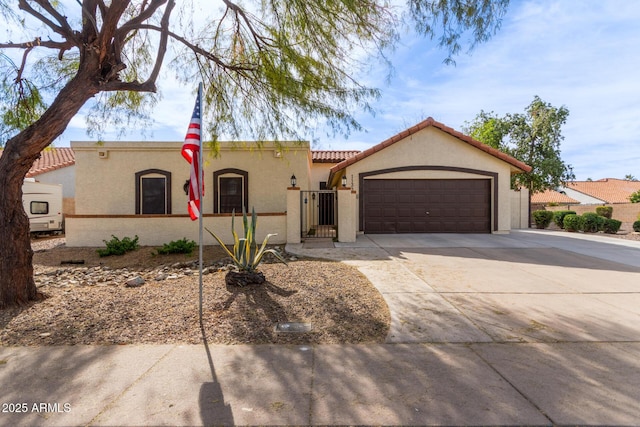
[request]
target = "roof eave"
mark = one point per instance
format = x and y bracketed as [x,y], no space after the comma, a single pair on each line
[520,167]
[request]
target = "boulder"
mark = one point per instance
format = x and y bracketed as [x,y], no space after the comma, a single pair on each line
[136,282]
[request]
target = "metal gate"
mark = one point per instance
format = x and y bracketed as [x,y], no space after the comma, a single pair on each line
[318,214]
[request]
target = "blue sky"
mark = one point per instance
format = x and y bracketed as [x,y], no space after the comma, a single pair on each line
[583,55]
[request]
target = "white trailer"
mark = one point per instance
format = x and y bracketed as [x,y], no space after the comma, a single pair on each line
[43,205]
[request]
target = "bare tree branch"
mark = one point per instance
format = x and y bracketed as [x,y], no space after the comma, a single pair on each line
[67,33]
[117,85]
[144,14]
[89,25]
[37,42]
[162,48]
[62,20]
[109,31]
[22,64]
[102,7]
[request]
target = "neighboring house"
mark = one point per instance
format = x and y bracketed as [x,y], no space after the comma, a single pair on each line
[429,178]
[600,192]
[584,196]
[552,197]
[56,165]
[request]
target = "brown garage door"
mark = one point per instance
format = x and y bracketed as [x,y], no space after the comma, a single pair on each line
[427,206]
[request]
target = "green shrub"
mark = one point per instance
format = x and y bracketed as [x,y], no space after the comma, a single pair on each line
[635,197]
[558,217]
[605,211]
[636,226]
[611,226]
[542,219]
[116,246]
[182,246]
[572,222]
[246,255]
[592,222]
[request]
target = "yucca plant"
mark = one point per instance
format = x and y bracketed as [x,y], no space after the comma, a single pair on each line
[246,255]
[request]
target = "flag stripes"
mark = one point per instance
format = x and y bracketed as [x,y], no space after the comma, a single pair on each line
[191,153]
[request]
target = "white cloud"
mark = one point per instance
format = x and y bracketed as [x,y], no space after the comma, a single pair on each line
[583,55]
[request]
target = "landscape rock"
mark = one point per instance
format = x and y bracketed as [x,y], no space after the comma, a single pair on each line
[105,276]
[136,282]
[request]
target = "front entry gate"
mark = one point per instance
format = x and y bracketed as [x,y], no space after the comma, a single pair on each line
[318,214]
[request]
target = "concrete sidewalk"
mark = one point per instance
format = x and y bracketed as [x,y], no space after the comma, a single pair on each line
[385,384]
[530,328]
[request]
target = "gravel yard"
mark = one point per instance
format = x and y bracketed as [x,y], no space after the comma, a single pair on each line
[90,303]
[86,300]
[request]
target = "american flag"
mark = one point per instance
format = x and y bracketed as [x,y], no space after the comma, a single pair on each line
[191,152]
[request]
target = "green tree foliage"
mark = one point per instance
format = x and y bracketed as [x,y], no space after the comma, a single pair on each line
[635,197]
[489,129]
[533,137]
[23,103]
[271,69]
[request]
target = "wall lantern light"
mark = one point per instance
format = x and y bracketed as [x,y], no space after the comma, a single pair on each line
[185,187]
[344,180]
[294,181]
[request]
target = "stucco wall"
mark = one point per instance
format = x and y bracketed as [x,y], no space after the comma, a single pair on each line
[158,230]
[432,147]
[106,185]
[519,209]
[347,221]
[105,190]
[65,176]
[319,173]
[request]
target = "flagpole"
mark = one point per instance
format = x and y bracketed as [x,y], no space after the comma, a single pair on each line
[200,190]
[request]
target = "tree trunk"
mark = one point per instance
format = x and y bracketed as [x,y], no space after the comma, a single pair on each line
[16,257]
[16,269]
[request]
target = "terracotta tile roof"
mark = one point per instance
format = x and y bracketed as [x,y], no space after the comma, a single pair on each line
[552,196]
[611,190]
[50,160]
[325,156]
[425,124]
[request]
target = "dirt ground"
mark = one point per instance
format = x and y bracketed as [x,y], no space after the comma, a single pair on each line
[91,303]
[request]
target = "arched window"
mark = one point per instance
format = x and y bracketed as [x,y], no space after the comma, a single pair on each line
[230,190]
[153,192]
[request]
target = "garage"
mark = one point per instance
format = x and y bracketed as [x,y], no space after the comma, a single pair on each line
[430,178]
[426,206]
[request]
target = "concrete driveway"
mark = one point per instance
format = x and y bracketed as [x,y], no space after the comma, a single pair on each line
[526,286]
[555,315]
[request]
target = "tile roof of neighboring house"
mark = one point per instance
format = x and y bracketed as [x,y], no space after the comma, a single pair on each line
[425,124]
[50,160]
[328,156]
[611,190]
[552,196]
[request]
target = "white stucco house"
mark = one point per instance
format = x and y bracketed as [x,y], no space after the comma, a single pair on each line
[427,179]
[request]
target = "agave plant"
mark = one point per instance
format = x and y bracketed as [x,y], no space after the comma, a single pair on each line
[246,255]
